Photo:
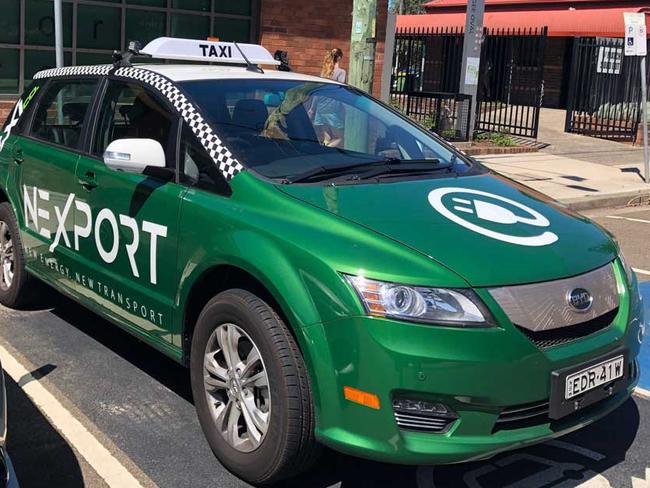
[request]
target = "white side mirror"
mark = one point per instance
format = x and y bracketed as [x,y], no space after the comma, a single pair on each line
[134,155]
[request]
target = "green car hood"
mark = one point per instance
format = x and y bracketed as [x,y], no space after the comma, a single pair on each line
[488,229]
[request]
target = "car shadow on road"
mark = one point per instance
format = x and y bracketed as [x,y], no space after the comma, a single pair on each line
[153,362]
[568,461]
[40,455]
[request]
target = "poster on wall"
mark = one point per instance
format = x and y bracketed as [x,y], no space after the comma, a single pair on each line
[610,60]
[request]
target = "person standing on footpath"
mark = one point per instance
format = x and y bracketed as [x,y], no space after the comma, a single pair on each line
[328,113]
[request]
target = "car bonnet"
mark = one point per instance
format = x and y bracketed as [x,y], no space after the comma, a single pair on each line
[488,229]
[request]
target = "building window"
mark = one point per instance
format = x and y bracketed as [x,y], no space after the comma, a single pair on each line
[98,27]
[39,23]
[190,26]
[37,60]
[150,3]
[102,26]
[9,76]
[10,22]
[200,5]
[143,25]
[237,30]
[230,7]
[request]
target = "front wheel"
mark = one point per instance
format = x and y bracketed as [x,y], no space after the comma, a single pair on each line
[14,291]
[251,389]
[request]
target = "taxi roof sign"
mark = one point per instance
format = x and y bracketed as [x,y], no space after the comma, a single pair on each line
[208,51]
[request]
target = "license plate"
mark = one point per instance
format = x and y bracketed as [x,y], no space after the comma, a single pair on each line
[582,385]
[593,377]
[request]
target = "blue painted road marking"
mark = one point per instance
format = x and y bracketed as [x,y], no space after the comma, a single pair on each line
[644,356]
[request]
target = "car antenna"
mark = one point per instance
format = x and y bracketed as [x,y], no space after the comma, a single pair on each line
[249,66]
[122,59]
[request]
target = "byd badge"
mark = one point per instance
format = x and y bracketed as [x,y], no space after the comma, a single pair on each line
[492,215]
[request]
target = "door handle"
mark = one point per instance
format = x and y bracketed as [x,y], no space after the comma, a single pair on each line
[88,181]
[17,154]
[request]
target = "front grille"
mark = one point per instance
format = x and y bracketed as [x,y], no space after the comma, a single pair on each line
[555,337]
[521,416]
[544,306]
[423,423]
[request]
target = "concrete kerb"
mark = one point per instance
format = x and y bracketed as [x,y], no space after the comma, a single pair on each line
[590,202]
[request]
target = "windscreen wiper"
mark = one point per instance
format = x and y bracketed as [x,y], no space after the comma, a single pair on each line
[328,171]
[386,165]
[408,167]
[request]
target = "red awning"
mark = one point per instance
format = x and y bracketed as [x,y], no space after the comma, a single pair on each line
[432,4]
[600,22]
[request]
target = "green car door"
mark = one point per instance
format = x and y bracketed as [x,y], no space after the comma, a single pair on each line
[126,223]
[44,177]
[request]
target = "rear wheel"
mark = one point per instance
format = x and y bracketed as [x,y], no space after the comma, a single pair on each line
[14,291]
[251,389]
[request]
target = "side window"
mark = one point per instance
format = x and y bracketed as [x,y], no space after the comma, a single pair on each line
[60,115]
[130,111]
[197,169]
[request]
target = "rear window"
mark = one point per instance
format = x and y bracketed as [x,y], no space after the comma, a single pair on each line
[61,112]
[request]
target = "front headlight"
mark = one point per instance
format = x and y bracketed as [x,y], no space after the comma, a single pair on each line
[444,306]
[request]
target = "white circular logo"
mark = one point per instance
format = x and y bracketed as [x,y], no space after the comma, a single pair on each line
[489,209]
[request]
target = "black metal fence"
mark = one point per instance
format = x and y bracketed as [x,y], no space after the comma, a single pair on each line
[427,60]
[605,90]
[511,81]
[510,87]
[447,114]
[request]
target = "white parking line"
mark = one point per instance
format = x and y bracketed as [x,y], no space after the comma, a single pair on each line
[99,458]
[631,219]
[641,271]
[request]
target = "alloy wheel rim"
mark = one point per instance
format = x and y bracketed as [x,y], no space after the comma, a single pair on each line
[6,256]
[237,387]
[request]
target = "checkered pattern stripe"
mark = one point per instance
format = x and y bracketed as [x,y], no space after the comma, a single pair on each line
[220,154]
[74,71]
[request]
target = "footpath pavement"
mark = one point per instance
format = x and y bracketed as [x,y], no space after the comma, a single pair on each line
[581,172]
[577,183]
[583,148]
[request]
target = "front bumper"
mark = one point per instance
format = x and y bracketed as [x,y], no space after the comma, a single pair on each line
[477,372]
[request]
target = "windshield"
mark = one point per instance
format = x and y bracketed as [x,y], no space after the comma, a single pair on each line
[288,129]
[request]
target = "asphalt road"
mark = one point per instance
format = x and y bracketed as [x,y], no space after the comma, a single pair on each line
[137,404]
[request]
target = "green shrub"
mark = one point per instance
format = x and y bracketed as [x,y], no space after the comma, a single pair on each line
[501,139]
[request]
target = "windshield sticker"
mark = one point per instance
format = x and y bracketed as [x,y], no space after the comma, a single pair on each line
[19,108]
[15,117]
[493,216]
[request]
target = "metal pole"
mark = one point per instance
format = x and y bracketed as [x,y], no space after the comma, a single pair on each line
[58,49]
[644,101]
[389,49]
[469,72]
[58,33]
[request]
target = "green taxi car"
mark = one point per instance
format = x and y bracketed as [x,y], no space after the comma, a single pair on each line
[330,272]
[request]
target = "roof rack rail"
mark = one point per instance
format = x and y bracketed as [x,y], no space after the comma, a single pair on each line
[122,59]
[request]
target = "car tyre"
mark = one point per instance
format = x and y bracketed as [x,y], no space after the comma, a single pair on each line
[14,279]
[262,430]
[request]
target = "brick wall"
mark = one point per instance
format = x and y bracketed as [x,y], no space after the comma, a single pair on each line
[5,108]
[307,30]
